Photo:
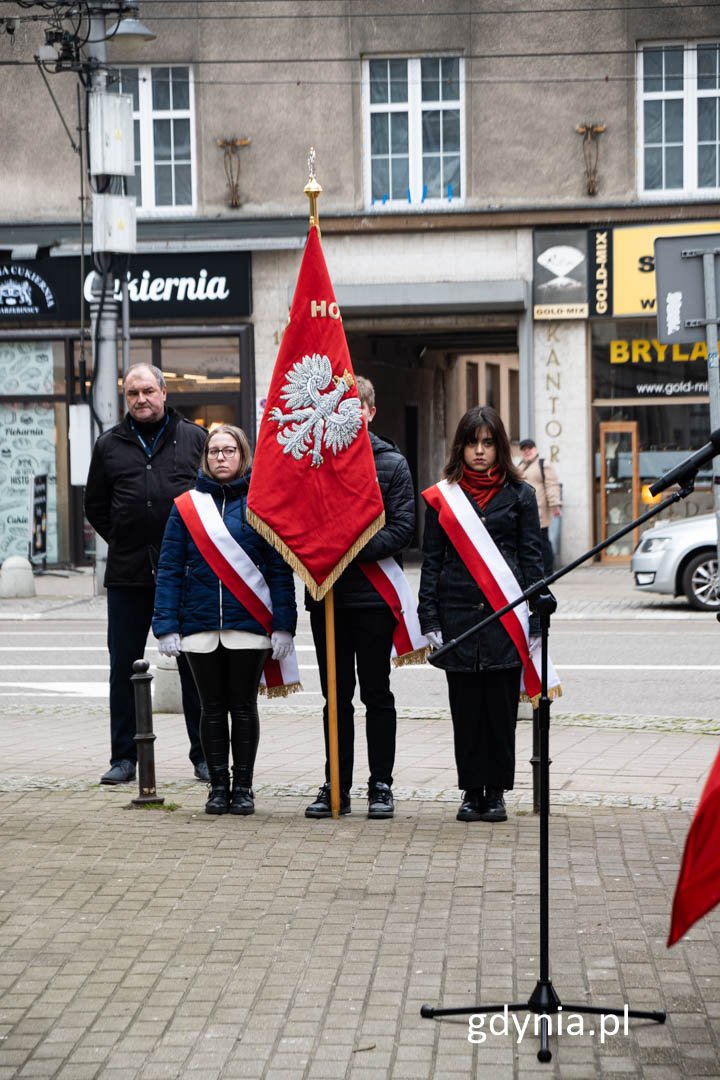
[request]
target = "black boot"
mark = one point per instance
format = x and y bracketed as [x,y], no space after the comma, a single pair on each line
[473,805]
[321,807]
[494,809]
[242,800]
[219,801]
[380,800]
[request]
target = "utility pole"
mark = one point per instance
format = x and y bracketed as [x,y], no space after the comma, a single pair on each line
[104,308]
[76,40]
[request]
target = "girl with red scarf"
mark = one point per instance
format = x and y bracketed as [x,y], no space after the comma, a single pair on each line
[483,672]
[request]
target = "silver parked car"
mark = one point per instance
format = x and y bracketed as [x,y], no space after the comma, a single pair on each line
[680,557]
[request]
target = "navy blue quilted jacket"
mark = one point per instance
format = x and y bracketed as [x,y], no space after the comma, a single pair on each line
[188,595]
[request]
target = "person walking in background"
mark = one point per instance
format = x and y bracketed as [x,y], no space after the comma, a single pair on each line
[364,627]
[541,475]
[137,469]
[483,509]
[214,576]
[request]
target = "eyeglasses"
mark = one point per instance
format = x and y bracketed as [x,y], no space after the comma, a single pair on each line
[225,451]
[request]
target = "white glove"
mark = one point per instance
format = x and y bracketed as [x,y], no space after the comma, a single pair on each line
[435,638]
[281,642]
[535,641]
[169,645]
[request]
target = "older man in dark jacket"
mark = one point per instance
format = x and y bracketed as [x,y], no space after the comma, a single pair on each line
[138,467]
[364,626]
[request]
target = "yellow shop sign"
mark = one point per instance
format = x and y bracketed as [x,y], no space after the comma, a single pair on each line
[633,260]
[650,351]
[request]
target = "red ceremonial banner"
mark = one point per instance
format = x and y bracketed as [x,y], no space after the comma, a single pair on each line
[314,493]
[698,886]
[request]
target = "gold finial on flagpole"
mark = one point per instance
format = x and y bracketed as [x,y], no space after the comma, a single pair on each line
[313,190]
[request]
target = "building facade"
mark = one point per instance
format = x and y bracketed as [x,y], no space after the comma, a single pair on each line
[493,184]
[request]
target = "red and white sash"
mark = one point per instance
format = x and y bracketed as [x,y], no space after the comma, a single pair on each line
[410,646]
[240,575]
[487,566]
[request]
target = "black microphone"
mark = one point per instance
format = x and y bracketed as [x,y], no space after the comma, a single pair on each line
[689,466]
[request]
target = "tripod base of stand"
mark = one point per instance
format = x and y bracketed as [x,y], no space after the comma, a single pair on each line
[544,1003]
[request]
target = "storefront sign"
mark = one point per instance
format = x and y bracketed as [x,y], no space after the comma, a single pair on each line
[651,351]
[160,288]
[560,278]
[641,367]
[600,248]
[622,266]
[24,292]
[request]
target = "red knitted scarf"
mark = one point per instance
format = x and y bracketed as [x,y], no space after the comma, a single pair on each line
[482,487]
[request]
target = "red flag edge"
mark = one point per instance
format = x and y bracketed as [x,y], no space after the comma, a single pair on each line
[316,591]
[418,656]
[686,911]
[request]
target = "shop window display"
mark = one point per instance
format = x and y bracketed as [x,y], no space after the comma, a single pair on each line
[33,438]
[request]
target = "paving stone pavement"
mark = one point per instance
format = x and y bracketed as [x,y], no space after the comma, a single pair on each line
[148,943]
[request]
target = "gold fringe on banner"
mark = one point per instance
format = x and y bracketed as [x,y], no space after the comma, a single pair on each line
[417,656]
[280,691]
[316,591]
[553,693]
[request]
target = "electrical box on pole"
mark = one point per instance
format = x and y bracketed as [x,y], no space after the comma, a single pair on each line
[114,224]
[110,127]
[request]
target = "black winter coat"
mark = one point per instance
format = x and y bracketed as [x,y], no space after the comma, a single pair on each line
[129,496]
[450,600]
[352,589]
[190,598]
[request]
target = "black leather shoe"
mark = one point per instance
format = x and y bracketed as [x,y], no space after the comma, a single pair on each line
[380,800]
[219,800]
[321,807]
[242,800]
[472,806]
[494,809]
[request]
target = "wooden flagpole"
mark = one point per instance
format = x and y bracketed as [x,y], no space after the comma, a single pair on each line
[333,747]
[313,190]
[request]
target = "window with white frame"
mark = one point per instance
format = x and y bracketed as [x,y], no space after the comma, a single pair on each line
[164,136]
[679,118]
[414,139]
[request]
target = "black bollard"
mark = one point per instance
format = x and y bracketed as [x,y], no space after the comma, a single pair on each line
[144,736]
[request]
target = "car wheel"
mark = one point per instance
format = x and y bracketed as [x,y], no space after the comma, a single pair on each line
[700,582]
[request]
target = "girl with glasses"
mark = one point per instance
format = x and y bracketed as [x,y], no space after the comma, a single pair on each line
[225,598]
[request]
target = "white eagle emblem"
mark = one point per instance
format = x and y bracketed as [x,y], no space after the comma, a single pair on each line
[316,419]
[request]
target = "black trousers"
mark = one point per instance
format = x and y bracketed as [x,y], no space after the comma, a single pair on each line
[362,636]
[130,613]
[484,708]
[228,680]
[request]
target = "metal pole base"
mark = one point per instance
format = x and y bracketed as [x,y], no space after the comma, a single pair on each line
[544,1002]
[147,800]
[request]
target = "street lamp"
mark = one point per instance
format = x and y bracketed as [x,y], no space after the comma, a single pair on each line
[128,30]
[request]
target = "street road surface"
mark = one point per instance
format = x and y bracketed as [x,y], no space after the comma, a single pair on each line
[650,666]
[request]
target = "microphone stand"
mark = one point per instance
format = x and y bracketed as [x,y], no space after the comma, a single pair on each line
[544,1000]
